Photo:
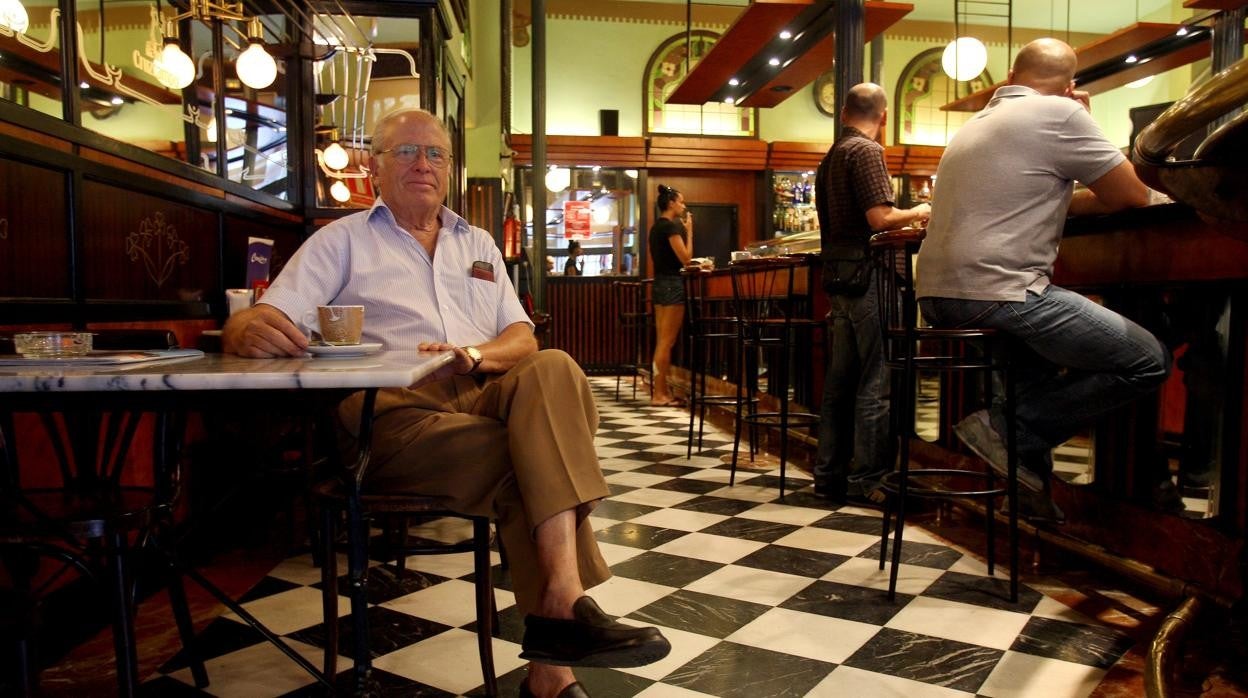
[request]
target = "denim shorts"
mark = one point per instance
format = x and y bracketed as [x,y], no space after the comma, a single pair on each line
[668,290]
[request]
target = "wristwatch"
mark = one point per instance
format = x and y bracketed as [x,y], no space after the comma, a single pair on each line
[474,354]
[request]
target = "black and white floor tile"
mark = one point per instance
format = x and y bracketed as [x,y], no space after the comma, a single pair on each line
[759,598]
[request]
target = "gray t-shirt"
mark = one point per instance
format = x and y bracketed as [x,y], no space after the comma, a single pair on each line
[1002,191]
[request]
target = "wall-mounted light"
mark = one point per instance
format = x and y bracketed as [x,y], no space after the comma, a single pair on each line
[335,157]
[174,68]
[340,191]
[255,67]
[964,58]
[13,16]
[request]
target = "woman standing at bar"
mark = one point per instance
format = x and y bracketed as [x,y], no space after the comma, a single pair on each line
[671,248]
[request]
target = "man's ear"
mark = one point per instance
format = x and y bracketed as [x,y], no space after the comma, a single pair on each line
[1009,77]
[1070,89]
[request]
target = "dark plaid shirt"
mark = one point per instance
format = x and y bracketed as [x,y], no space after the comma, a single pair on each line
[851,179]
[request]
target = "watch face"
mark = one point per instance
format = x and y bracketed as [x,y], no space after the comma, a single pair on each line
[824,92]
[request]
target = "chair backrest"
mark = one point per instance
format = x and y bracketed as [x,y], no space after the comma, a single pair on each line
[893,255]
[768,297]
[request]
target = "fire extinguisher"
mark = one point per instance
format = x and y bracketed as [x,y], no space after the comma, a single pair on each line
[511,234]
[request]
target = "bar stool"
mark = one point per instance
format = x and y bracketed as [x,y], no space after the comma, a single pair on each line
[774,321]
[632,299]
[908,348]
[711,336]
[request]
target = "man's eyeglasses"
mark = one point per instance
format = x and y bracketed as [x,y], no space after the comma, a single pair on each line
[405,153]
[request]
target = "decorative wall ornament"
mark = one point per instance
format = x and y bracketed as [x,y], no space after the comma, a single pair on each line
[158,245]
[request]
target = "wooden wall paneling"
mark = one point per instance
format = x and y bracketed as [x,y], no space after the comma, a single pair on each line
[485,206]
[286,239]
[706,153]
[711,187]
[605,151]
[34,231]
[793,155]
[585,321]
[136,246]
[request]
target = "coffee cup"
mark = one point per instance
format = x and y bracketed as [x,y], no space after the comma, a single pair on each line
[338,325]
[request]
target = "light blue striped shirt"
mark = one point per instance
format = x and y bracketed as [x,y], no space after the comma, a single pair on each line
[367,259]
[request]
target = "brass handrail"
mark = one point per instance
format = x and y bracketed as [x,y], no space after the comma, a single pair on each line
[1224,92]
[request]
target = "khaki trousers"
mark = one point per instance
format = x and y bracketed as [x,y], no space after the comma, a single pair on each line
[517,447]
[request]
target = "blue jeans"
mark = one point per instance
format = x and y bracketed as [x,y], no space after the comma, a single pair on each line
[1081,360]
[854,448]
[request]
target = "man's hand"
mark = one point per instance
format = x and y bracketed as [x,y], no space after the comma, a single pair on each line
[1083,97]
[462,363]
[262,332]
[922,213]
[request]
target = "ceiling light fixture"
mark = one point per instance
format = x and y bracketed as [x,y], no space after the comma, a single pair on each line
[786,34]
[255,67]
[13,16]
[734,82]
[773,61]
[558,179]
[964,58]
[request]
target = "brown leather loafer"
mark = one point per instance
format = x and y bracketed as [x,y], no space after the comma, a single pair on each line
[572,690]
[591,639]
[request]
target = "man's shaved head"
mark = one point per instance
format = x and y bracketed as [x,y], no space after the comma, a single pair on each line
[1045,65]
[865,101]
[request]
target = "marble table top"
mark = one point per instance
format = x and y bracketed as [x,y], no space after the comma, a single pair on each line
[391,369]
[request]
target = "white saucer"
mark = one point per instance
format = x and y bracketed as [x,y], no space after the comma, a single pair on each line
[328,350]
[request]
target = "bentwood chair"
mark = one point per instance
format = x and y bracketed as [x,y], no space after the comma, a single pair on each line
[774,322]
[93,525]
[394,511]
[910,348]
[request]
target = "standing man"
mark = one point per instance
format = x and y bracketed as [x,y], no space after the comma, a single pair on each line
[506,432]
[855,199]
[1005,189]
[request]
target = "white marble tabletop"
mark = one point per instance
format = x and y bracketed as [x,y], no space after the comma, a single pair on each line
[391,369]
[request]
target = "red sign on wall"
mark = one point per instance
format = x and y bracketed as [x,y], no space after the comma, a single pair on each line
[576,218]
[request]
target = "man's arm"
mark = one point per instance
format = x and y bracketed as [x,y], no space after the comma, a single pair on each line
[885,217]
[1117,189]
[497,355]
[261,332]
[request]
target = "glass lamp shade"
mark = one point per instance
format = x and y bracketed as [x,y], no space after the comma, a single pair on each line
[13,16]
[256,68]
[964,59]
[335,157]
[174,68]
[558,179]
[340,192]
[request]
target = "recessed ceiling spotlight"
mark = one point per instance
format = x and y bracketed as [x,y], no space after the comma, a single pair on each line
[1182,31]
[734,82]
[116,101]
[730,100]
[786,34]
[773,61]
[84,85]
[1131,58]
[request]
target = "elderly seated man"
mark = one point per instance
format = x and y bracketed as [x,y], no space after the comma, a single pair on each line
[505,431]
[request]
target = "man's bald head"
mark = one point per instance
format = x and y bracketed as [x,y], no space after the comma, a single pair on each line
[1045,65]
[866,101]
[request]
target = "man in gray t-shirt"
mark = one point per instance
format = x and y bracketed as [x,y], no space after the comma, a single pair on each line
[1004,189]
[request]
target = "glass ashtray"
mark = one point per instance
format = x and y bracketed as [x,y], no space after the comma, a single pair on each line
[52,344]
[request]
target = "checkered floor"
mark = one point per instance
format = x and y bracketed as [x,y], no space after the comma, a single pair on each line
[758,597]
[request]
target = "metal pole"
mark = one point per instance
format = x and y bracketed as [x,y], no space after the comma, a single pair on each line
[850,36]
[1228,48]
[537,265]
[877,60]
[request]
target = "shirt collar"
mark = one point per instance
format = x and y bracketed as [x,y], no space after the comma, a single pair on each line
[450,220]
[1012,91]
[851,131]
